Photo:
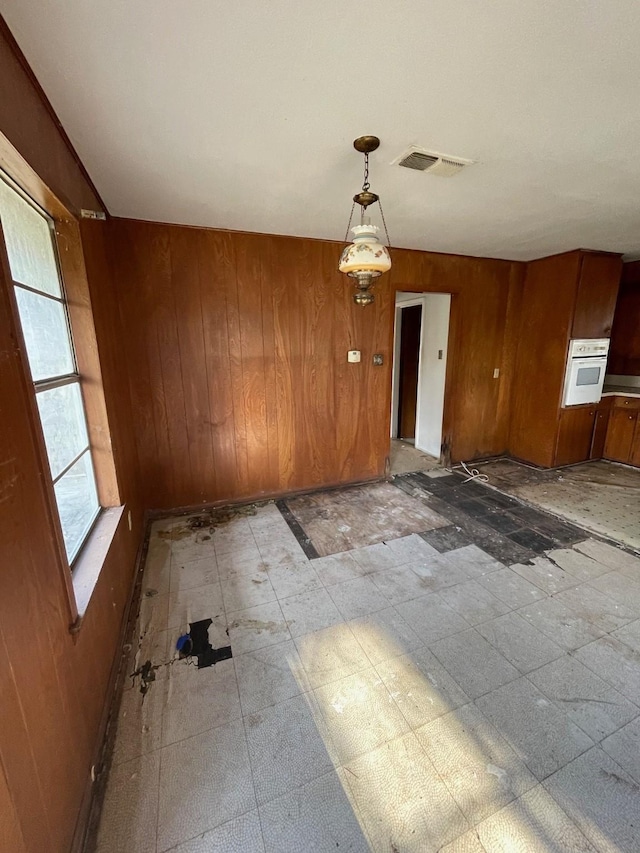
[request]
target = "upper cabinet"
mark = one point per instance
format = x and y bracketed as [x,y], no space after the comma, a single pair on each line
[596,296]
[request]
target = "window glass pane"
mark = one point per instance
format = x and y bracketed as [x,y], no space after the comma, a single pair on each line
[29,244]
[63,424]
[77,503]
[46,333]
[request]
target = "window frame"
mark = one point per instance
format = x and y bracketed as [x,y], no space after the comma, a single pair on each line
[57,380]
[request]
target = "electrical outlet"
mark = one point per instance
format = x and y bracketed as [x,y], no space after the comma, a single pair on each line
[496,373]
[378,359]
[353,356]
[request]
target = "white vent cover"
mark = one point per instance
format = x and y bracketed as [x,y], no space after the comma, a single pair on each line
[432,162]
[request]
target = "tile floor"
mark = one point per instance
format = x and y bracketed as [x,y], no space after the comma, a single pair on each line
[601,496]
[471,690]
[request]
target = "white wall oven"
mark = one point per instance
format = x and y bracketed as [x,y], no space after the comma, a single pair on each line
[586,367]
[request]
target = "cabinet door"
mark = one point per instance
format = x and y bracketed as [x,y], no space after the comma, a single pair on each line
[575,432]
[600,431]
[597,293]
[634,458]
[622,425]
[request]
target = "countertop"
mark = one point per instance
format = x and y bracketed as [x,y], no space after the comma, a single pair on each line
[620,391]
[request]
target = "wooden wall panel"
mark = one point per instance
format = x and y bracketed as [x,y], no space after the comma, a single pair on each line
[624,355]
[236,346]
[54,684]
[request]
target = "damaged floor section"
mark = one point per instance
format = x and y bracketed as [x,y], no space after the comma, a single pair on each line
[469,687]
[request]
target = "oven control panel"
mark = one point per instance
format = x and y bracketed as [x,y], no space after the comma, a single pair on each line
[595,346]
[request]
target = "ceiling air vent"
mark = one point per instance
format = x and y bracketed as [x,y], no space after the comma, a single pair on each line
[432,162]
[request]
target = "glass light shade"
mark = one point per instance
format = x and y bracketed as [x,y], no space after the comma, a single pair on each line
[366,254]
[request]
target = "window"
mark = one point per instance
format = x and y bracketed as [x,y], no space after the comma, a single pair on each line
[40,297]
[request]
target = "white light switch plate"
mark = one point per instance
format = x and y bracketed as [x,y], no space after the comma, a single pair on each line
[353,355]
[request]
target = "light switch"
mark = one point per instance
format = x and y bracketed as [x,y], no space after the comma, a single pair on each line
[353,355]
[496,373]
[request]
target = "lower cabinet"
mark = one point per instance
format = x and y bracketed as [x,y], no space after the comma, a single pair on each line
[622,444]
[575,435]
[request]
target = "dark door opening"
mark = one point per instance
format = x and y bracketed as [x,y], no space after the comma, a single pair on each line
[410,325]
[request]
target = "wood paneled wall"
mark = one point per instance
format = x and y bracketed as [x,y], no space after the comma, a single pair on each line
[624,355]
[237,359]
[53,685]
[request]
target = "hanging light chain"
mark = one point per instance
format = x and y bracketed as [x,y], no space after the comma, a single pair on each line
[346,236]
[366,185]
[384,222]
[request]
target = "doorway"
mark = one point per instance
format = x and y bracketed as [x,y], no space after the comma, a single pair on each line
[419,369]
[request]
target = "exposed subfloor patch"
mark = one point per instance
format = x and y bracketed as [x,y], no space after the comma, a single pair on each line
[602,497]
[468,688]
[404,457]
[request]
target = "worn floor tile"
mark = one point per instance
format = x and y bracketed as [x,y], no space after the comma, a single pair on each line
[473,662]
[620,587]
[243,561]
[130,808]
[624,747]
[316,816]
[446,538]
[384,634]
[358,597]
[601,799]
[410,548]
[630,635]
[477,765]
[591,703]
[399,584]
[511,588]
[468,842]
[210,798]
[577,564]
[374,558]
[595,607]
[281,552]
[421,687]
[438,572]
[157,568]
[404,803]
[153,615]
[288,746]
[331,654]
[360,714]
[310,611]
[534,823]
[232,535]
[475,562]
[473,602]
[546,575]
[195,573]
[199,699]
[192,605]
[293,578]
[541,734]
[269,675]
[431,617]
[610,555]
[139,729]
[614,661]
[519,642]
[561,623]
[257,627]
[154,646]
[337,568]
[243,591]
[241,835]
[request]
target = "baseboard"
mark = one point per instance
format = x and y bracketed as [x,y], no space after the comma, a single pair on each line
[93,795]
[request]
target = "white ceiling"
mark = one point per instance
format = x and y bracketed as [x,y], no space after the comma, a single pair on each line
[240,114]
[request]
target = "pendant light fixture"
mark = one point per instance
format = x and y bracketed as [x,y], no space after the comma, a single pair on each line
[366,258]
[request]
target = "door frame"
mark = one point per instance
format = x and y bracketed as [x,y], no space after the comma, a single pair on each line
[421,299]
[448,414]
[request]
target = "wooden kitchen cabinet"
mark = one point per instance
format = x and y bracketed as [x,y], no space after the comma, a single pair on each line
[600,427]
[620,434]
[575,435]
[598,284]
